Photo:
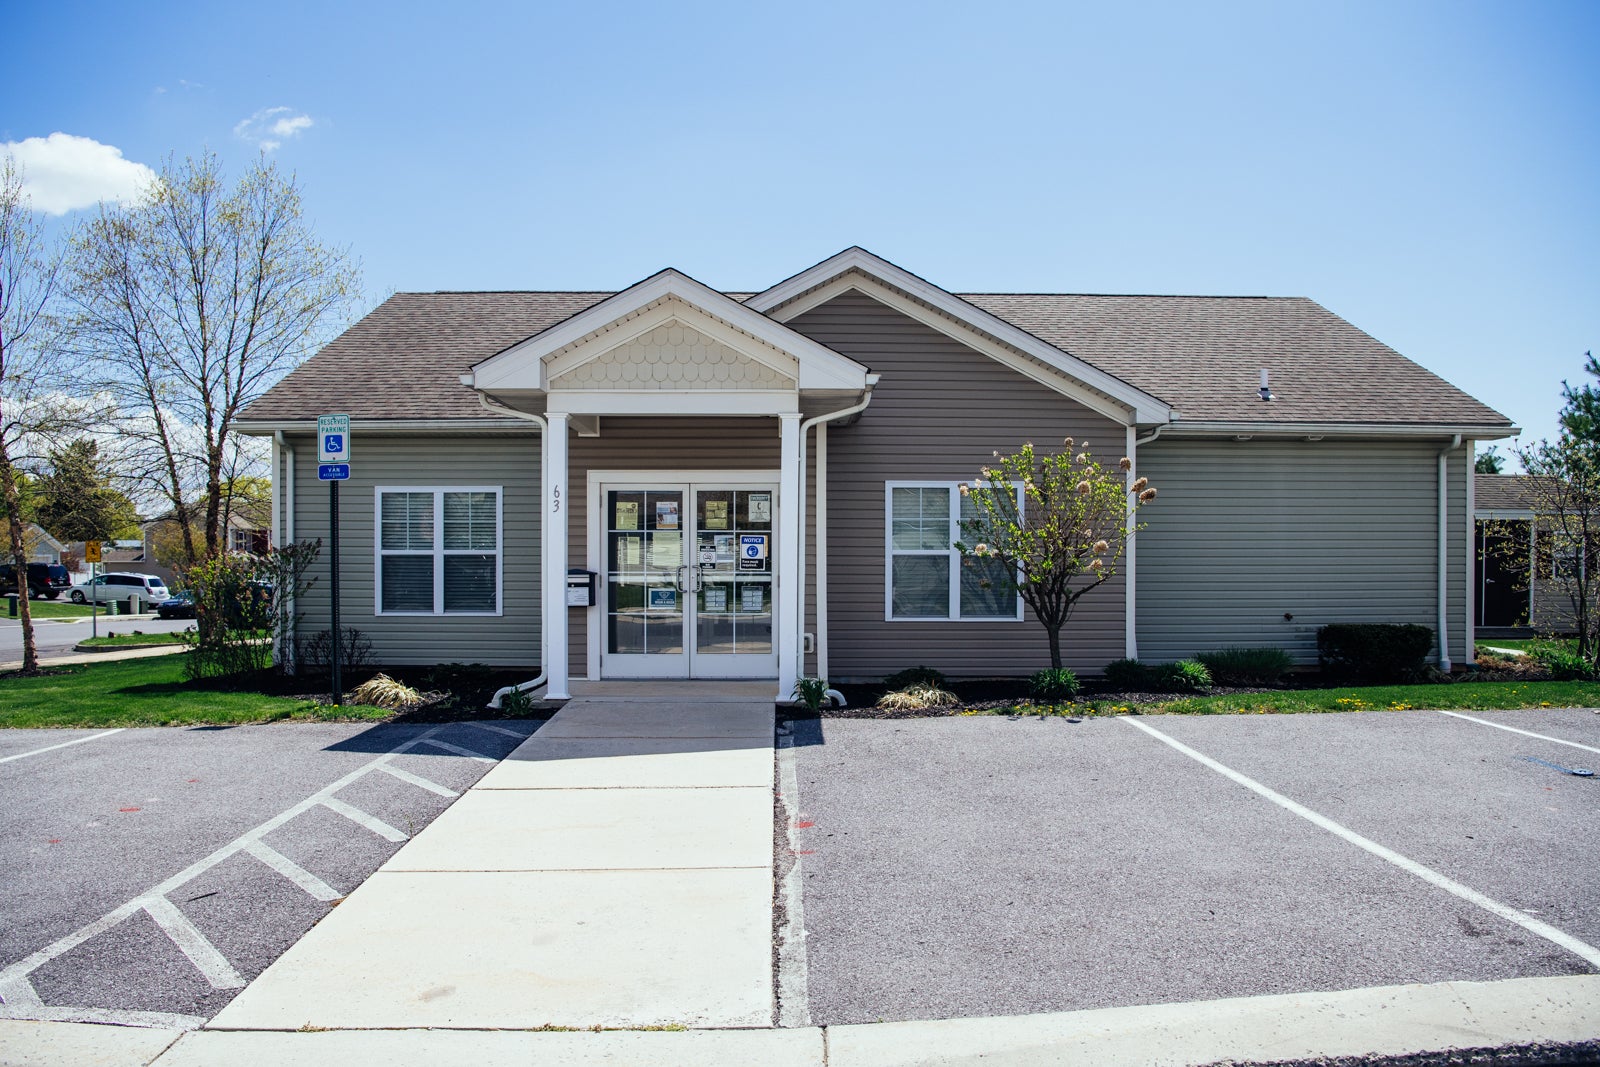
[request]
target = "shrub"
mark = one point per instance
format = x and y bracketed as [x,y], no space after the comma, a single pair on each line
[1053,683]
[923,676]
[233,611]
[1374,653]
[1563,664]
[314,652]
[1129,674]
[453,677]
[1246,666]
[1184,676]
[917,698]
[383,691]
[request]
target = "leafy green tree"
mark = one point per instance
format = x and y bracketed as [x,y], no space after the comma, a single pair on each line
[1563,480]
[1052,526]
[1490,461]
[75,499]
[191,304]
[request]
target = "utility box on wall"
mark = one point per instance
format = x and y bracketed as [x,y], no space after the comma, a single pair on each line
[580,588]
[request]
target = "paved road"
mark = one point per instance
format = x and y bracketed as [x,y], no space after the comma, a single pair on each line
[981,866]
[58,637]
[148,874]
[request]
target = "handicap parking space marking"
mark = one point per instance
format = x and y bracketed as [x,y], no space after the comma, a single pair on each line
[1583,950]
[64,744]
[18,998]
[1515,730]
[459,751]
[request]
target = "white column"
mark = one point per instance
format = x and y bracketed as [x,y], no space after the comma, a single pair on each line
[786,568]
[555,557]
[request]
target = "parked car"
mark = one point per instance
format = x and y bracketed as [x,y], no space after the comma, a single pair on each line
[177,606]
[109,587]
[48,580]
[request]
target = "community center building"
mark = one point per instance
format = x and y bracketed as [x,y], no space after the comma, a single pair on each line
[675,482]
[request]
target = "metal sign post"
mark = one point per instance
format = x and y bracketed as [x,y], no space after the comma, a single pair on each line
[333,467]
[92,556]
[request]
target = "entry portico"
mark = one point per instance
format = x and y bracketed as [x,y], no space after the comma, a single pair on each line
[699,567]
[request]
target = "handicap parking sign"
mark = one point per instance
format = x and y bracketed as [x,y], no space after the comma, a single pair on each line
[333,439]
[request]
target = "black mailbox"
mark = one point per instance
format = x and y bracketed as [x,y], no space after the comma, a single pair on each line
[580,587]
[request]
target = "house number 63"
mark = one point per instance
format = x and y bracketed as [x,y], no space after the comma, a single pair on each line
[555,499]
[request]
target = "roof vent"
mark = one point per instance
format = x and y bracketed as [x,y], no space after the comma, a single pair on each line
[1266,390]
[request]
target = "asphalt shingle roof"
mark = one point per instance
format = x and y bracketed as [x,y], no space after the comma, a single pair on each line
[1501,492]
[1201,355]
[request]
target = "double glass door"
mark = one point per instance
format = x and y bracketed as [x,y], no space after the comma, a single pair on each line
[688,581]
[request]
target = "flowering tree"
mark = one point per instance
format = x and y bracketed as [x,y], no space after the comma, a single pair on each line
[1055,526]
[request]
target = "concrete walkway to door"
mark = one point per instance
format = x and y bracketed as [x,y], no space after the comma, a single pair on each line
[615,870]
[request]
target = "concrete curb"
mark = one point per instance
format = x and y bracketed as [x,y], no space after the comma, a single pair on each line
[1364,1024]
[1424,1023]
[99,657]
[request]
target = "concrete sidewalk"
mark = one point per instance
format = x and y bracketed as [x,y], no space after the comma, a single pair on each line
[1555,1020]
[615,871]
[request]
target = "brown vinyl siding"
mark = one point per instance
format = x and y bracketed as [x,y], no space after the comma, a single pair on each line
[1244,532]
[938,414]
[509,461]
[650,444]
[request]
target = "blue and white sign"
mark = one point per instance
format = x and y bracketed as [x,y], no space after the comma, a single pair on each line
[663,600]
[333,439]
[333,472]
[752,552]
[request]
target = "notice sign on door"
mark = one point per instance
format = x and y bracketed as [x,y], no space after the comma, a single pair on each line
[663,600]
[752,552]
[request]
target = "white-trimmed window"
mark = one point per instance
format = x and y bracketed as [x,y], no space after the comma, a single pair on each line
[438,550]
[926,577]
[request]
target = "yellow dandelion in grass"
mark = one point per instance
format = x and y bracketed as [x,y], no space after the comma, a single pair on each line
[1544,703]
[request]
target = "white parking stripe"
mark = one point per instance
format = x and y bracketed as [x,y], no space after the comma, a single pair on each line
[356,815]
[19,993]
[1534,926]
[32,962]
[202,953]
[496,729]
[417,780]
[292,871]
[1514,730]
[458,750]
[64,744]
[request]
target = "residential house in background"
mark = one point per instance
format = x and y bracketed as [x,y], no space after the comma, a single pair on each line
[39,545]
[1515,576]
[675,482]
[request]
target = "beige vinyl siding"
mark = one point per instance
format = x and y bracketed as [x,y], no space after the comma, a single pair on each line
[654,444]
[1244,532]
[938,414]
[509,461]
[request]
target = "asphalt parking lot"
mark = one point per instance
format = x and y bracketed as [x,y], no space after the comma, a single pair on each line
[987,866]
[148,874]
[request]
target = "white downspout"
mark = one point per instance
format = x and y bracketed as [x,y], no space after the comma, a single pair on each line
[822,514]
[1469,586]
[1444,552]
[1130,586]
[544,481]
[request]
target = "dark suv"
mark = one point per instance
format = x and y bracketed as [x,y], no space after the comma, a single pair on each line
[48,580]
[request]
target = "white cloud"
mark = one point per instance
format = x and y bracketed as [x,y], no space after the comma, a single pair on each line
[64,172]
[271,126]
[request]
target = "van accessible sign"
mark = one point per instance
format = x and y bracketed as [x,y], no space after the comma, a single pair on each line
[333,448]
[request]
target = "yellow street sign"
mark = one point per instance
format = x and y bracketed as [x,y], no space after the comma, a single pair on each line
[91,551]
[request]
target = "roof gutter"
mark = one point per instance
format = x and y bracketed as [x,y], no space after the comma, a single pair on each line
[1338,429]
[544,480]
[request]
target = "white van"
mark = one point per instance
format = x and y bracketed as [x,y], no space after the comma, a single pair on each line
[108,587]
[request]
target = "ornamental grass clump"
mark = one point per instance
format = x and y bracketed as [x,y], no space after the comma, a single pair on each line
[1048,528]
[917,698]
[1247,666]
[384,692]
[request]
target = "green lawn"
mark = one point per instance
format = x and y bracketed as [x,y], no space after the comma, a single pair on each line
[134,640]
[1480,696]
[148,692]
[49,609]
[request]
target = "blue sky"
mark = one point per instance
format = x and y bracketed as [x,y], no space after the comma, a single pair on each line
[1428,171]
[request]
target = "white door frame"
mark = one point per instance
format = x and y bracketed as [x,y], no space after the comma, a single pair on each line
[600,482]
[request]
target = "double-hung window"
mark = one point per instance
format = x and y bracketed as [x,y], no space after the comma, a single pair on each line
[927,577]
[439,551]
